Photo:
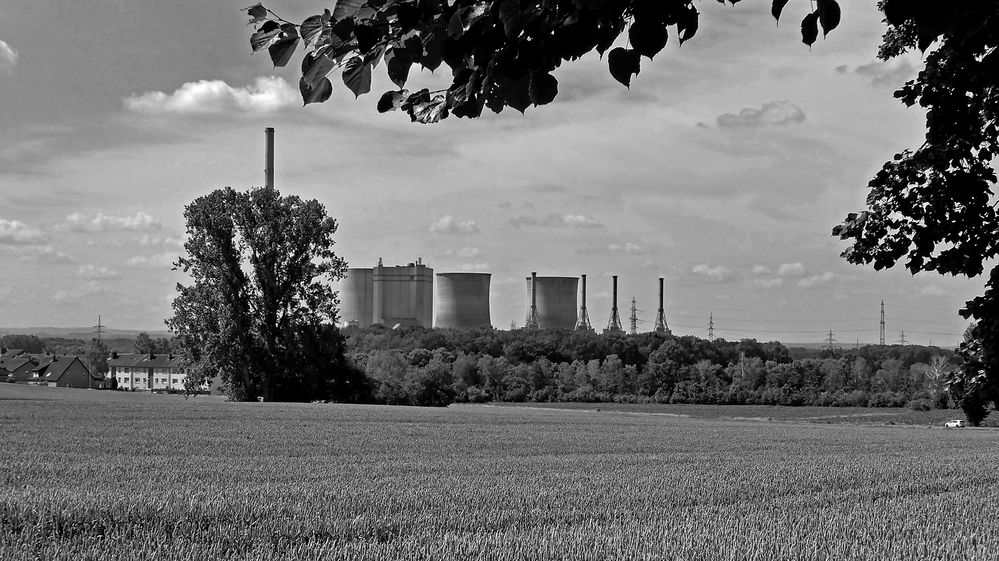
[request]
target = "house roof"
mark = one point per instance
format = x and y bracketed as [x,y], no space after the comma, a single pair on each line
[146,361]
[19,367]
[58,366]
[11,353]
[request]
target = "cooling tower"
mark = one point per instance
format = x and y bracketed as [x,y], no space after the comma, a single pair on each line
[357,297]
[462,300]
[403,295]
[556,301]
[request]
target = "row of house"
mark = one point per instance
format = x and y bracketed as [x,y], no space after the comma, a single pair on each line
[136,372]
[45,370]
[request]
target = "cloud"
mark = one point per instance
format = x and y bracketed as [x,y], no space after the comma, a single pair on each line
[771,113]
[816,280]
[46,254]
[627,247]
[892,73]
[89,288]
[465,252]
[768,283]
[556,221]
[447,224]
[761,270]
[94,272]
[14,232]
[100,222]
[267,94]
[156,241]
[717,273]
[157,261]
[933,291]
[792,270]
[477,267]
[8,58]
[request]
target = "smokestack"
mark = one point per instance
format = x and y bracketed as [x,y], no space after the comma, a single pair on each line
[269,162]
[614,323]
[661,314]
[584,291]
[614,306]
[583,323]
[532,316]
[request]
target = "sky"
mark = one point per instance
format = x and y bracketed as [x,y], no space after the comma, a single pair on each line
[722,169]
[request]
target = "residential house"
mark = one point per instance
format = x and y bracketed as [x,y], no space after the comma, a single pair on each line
[148,372]
[62,372]
[17,369]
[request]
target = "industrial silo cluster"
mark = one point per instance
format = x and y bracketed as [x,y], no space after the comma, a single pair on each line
[403,295]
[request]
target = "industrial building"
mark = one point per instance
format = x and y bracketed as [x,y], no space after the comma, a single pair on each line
[463,300]
[400,295]
[552,301]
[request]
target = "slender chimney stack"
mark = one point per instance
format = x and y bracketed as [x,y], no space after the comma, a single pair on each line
[583,323]
[614,323]
[532,316]
[661,314]
[269,163]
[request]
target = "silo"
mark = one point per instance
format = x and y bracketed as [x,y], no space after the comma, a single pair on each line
[403,295]
[462,300]
[556,301]
[357,297]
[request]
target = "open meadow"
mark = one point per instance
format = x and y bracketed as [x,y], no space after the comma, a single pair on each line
[102,475]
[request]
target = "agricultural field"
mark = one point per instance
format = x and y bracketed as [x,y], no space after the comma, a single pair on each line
[102,475]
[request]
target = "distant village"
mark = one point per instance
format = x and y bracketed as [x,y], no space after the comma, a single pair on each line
[151,372]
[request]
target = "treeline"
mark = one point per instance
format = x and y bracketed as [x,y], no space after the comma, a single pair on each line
[420,366]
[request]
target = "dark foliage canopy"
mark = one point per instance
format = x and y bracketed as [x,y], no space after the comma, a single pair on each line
[501,52]
[260,311]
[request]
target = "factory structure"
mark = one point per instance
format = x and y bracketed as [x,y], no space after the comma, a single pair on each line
[403,296]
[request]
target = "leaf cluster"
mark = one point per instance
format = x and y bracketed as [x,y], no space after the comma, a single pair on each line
[501,53]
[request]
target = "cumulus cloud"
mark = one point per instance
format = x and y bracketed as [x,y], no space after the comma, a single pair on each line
[156,241]
[15,232]
[8,58]
[761,270]
[892,73]
[717,273]
[933,291]
[267,94]
[476,267]
[772,113]
[89,288]
[447,224]
[792,270]
[158,261]
[465,252]
[90,271]
[100,222]
[557,221]
[46,254]
[816,280]
[627,247]
[768,283]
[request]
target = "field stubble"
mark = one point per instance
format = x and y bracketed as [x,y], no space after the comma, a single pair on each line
[89,475]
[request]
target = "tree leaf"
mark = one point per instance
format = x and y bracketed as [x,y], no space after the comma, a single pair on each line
[624,63]
[398,62]
[263,36]
[257,13]
[391,100]
[777,8]
[516,93]
[315,93]
[543,88]
[429,111]
[829,15]
[357,76]
[315,67]
[810,28]
[647,36]
[511,16]
[282,49]
[347,9]
[311,29]
[689,24]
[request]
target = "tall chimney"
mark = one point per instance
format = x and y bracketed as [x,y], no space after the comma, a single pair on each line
[269,163]
[614,323]
[532,316]
[661,314]
[583,323]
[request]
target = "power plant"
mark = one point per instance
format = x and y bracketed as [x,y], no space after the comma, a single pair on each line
[402,295]
[462,300]
[553,301]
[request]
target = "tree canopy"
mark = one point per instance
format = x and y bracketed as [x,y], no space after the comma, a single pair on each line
[501,52]
[260,312]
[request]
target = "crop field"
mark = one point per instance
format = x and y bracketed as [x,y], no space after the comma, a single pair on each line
[101,475]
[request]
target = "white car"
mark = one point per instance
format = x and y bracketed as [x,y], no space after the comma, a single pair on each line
[954,424]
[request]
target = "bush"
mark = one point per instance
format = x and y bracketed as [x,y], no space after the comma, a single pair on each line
[921,405]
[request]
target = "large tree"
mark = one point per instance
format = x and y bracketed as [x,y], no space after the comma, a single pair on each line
[260,312]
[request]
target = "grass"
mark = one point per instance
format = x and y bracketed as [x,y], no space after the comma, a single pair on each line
[100,475]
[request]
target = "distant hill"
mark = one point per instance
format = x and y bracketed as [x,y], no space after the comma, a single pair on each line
[84,333]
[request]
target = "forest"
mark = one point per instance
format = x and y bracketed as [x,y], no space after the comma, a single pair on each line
[420,366]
